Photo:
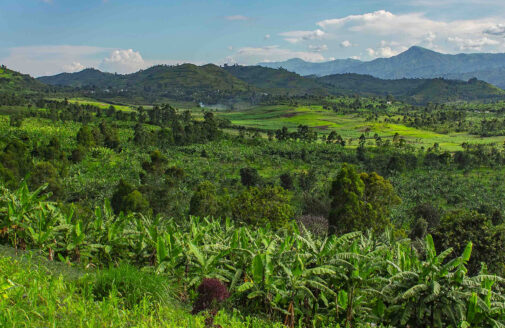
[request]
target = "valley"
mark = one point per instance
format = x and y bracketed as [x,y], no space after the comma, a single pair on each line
[343,200]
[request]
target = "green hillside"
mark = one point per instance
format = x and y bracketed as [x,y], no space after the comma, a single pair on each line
[419,91]
[86,78]
[211,84]
[11,81]
[441,91]
[368,85]
[208,83]
[276,81]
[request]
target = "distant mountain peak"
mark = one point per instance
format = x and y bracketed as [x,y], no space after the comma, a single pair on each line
[417,51]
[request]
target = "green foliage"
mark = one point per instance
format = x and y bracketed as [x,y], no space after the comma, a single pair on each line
[132,285]
[127,199]
[250,177]
[35,293]
[360,201]
[204,201]
[289,275]
[459,227]
[45,173]
[264,205]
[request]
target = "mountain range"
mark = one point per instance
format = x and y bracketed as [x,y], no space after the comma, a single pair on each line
[416,62]
[213,84]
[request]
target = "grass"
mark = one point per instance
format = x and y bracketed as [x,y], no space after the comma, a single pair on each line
[349,126]
[99,104]
[38,293]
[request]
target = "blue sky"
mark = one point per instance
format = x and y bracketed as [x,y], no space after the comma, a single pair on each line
[43,37]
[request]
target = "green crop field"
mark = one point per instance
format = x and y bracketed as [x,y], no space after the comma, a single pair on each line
[349,126]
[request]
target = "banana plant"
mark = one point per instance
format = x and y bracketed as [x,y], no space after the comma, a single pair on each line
[42,228]
[432,292]
[16,211]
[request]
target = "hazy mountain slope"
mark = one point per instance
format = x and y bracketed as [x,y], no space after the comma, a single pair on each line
[493,76]
[416,62]
[320,69]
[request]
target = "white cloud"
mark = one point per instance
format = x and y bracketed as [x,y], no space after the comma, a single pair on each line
[297,36]
[74,67]
[404,30]
[472,44]
[252,55]
[385,52]
[237,18]
[318,48]
[123,62]
[49,60]
[346,44]
[498,29]
[267,36]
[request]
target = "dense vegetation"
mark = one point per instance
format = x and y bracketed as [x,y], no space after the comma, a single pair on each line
[252,218]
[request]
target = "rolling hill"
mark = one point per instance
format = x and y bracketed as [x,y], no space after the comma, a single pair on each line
[416,62]
[212,84]
[12,81]
[276,81]
[208,83]
[419,91]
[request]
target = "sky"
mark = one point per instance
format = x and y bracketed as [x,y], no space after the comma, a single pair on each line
[46,37]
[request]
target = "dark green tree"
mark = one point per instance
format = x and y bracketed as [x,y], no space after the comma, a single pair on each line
[360,201]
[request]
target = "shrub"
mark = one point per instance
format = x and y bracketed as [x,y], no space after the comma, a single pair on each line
[250,177]
[211,293]
[45,172]
[204,201]
[286,181]
[127,199]
[259,206]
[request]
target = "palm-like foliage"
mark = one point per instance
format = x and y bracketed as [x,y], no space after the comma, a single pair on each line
[288,274]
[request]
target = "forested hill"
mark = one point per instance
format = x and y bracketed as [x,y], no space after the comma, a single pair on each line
[420,91]
[11,81]
[213,84]
[89,77]
[276,81]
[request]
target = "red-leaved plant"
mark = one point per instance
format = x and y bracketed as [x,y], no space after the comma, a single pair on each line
[211,293]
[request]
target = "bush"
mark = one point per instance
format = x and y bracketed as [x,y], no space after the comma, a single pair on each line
[204,201]
[131,285]
[250,177]
[127,199]
[259,206]
[211,293]
[45,172]
[286,181]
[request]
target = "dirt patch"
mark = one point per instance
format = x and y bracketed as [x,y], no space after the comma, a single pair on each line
[289,115]
[322,127]
[365,128]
